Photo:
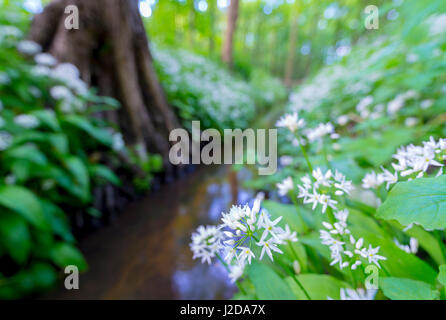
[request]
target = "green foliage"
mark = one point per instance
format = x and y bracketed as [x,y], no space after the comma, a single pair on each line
[268,285]
[406,289]
[52,155]
[421,201]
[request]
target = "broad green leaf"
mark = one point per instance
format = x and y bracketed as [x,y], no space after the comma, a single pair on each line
[399,263]
[64,254]
[83,124]
[288,212]
[442,275]
[15,236]
[24,202]
[420,201]
[268,285]
[318,286]
[48,118]
[407,289]
[426,241]
[101,171]
[80,175]
[58,220]
[27,152]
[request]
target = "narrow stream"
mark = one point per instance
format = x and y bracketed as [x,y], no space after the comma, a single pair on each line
[145,253]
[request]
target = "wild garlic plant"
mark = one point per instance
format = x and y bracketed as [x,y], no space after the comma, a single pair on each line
[243,230]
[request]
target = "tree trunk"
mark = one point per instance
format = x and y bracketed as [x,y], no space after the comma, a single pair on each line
[226,54]
[110,48]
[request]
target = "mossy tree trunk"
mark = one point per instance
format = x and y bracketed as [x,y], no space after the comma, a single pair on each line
[111,50]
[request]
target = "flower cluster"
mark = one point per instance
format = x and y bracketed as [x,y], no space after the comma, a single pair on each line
[412,162]
[242,227]
[322,130]
[206,242]
[291,122]
[285,186]
[345,250]
[412,247]
[319,188]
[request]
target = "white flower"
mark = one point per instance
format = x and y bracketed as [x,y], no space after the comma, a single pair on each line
[28,47]
[425,104]
[287,235]
[118,142]
[5,140]
[285,186]
[26,121]
[206,242]
[45,59]
[373,257]
[267,246]
[4,78]
[343,120]
[245,254]
[61,93]
[236,271]
[358,294]
[411,121]
[285,161]
[291,121]
[320,131]
[372,180]
[412,247]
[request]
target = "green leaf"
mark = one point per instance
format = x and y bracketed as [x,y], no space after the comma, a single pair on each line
[318,286]
[268,285]
[407,289]
[80,175]
[15,236]
[47,118]
[420,201]
[442,275]
[288,212]
[27,152]
[100,171]
[83,124]
[64,254]
[24,202]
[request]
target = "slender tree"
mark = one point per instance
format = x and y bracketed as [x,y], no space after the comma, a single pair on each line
[227,51]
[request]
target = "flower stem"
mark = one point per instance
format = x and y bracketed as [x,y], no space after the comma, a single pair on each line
[304,152]
[293,275]
[228,270]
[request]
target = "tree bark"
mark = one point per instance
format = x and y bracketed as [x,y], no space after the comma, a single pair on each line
[111,51]
[227,50]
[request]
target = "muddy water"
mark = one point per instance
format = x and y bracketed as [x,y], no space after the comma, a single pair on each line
[145,253]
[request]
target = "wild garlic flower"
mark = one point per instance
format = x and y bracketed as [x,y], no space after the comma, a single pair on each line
[321,187]
[358,294]
[26,121]
[206,242]
[344,249]
[285,186]
[5,140]
[412,247]
[45,59]
[236,271]
[322,130]
[372,180]
[61,93]
[29,47]
[291,121]
[415,161]
[244,227]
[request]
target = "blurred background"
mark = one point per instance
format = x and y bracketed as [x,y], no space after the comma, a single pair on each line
[84,173]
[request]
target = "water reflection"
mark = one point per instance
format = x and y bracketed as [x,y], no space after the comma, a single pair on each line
[145,254]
